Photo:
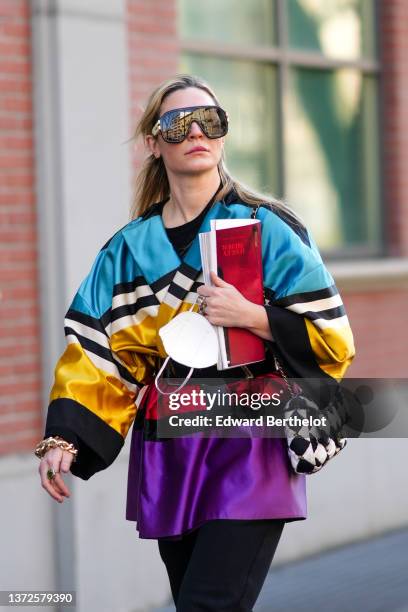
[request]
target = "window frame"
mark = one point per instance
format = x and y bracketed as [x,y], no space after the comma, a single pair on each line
[284,58]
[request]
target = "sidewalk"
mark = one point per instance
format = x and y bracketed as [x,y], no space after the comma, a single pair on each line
[370,576]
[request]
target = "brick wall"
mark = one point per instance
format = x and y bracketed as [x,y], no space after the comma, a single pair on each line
[379,319]
[379,323]
[20,368]
[153,52]
[394,54]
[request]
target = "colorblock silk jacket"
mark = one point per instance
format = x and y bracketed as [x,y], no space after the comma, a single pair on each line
[138,283]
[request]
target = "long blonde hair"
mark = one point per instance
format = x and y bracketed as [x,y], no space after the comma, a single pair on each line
[151,183]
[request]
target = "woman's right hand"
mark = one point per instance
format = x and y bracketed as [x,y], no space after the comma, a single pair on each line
[60,461]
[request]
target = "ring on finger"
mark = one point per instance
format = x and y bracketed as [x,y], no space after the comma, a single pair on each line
[51,473]
[202,302]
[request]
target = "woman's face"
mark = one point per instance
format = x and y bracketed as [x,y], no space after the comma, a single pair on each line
[178,158]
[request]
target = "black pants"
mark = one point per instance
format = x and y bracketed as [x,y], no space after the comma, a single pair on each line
[222,565]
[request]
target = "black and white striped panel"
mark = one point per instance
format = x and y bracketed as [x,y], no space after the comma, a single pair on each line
[89,333]
[324,307]
[192,295]
[181,285]
[131,303]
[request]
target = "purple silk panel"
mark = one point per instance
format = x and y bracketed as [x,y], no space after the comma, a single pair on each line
[175,485]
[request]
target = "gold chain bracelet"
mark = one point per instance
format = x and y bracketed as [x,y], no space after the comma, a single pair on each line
[54,442]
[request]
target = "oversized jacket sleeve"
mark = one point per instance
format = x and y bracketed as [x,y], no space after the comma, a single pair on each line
[308,321]
[93,400]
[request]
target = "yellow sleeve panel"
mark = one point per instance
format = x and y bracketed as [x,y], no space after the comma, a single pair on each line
[333,348]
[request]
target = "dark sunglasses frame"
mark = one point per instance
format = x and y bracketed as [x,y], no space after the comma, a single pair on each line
[158,125]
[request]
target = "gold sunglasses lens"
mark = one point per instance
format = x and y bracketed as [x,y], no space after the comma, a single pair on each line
[176,124]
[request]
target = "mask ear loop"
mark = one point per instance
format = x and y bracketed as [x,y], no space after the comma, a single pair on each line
[198,301]
[156,380]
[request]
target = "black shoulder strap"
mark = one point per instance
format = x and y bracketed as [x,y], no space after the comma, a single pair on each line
[255,209]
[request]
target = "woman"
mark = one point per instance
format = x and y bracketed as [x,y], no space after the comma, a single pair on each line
[216,506]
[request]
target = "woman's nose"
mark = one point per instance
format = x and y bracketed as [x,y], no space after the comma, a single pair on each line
[195,129]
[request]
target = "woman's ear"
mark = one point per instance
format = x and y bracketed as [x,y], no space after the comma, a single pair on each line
[152,144]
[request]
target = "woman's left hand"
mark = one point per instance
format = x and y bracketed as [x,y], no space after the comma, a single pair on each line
[225,305]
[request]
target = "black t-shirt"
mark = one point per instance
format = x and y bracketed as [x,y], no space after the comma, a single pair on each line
[182,236]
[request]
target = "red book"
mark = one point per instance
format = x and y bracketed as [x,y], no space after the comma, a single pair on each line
[233,250]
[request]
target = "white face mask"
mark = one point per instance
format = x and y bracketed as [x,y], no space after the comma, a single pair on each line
[190,340]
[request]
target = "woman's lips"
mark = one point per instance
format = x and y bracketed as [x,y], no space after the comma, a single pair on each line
[197,150]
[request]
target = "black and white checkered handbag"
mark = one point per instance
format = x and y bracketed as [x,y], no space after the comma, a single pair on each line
[312,445]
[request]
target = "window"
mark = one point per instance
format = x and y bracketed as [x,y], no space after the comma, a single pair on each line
[299,79]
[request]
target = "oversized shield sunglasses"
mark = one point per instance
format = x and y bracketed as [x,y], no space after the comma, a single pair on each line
[175,124]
